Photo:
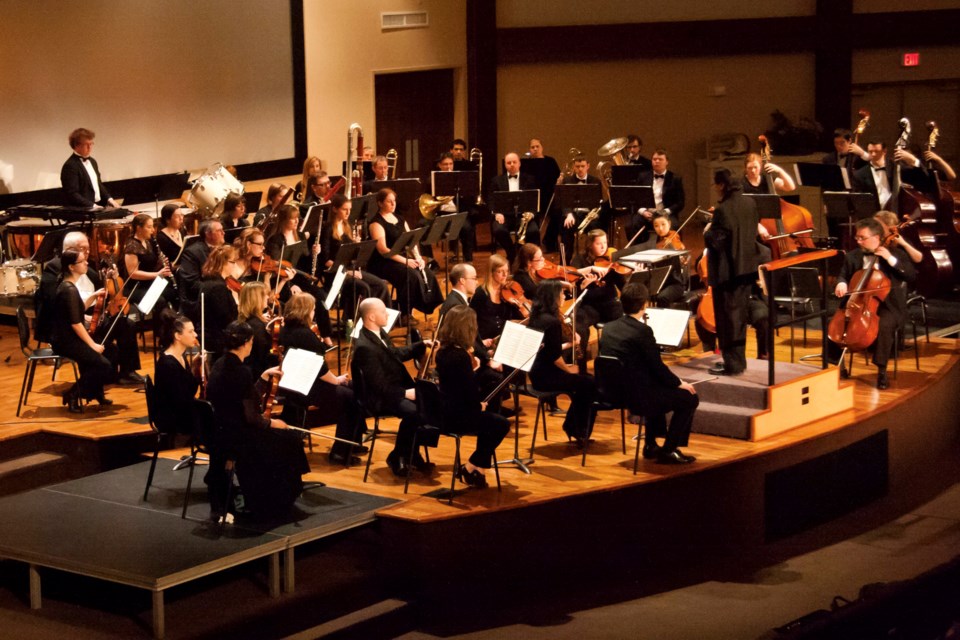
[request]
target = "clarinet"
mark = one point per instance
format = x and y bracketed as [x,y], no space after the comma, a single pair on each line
[164,261]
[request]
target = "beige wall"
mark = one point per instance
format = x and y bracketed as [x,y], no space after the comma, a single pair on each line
[345,48]
[668,102]
[543,13]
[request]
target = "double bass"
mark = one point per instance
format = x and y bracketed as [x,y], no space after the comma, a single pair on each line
[935,271]
[947,203]
[792,231]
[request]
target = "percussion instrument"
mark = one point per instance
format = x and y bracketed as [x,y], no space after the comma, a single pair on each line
[109,238]
[212,188]
[24,236]
[19,277]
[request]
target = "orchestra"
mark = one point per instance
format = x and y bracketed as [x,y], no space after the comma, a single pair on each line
[229,292]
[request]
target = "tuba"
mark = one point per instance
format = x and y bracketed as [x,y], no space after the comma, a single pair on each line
[613,150]
[476,154]
[392,158]
[428,205]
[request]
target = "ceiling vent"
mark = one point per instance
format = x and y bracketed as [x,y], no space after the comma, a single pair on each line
[404,20]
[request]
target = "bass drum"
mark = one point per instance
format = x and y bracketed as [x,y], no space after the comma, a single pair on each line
[211,189]
[19,277]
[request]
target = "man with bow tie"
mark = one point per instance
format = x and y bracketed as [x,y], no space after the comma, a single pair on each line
[573,217]
[668,196]
[80,175]
[506,221]
[847,153]
[877,177]
[634,145]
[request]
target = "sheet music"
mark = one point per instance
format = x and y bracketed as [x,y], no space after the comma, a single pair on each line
[152,295]
[653,255]
[576,303]
[300,370]
[517,346]
[335,288]
[668,325]
[392,316]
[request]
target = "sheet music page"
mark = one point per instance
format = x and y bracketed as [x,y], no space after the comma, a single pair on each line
[392,316]
[518,345]
[668,325]
[335,288]
[300,370]
[152,295]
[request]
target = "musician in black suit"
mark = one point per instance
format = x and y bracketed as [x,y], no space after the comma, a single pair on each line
[634,144]
[896,265]
[191,266]
[506,221]
[878,177]
[388,387]
[846,153]
[652,388]
[732,259]
[668,195]
[80,175]
[572,218]
[381,173]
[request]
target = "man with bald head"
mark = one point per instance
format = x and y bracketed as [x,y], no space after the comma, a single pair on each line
[506,221]
[388,388]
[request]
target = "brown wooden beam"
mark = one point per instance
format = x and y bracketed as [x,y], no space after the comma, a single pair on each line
[482,80]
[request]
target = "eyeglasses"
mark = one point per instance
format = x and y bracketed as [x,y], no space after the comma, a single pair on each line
[259,244]
[538,260]
[863,238]
[470,278]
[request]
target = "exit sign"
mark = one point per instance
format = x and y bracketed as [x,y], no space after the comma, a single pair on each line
[911,59]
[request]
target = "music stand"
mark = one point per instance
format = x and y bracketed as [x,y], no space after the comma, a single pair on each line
[578,196]
[404,244]
[367,172]
[466,165]
[50,245]
[627,175]
[459,184]
[512,203]
[768,204]
[351,256]
[851,206]
[364,207]
[652,279]
[441,230]
[829,177]
[801,284]
[408,190]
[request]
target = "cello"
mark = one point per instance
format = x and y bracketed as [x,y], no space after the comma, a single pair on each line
[855,327]
[935,271]
[791,231]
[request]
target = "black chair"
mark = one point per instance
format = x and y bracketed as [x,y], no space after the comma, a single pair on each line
[151,393]
[522,387]
[36,356]
[429,404]
[204,437]
[369,411]
[609,375]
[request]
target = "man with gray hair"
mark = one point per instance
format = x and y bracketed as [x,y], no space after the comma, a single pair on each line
[121,348]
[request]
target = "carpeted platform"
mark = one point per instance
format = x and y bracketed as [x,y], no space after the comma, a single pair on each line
[728,402]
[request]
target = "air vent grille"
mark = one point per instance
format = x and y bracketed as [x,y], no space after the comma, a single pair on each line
[404,20]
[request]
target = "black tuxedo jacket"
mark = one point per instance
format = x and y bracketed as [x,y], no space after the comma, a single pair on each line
[643,161]
[732,239]
[863,179]
[673,194]
[632,342]
[901,274]
[77,188]
[500,183]
[386,379]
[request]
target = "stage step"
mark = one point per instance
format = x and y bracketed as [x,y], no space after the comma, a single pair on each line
[720,419]
[31,471]
[734,392]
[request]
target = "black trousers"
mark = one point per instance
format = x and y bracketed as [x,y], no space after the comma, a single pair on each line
[882,346]
[339,404]
[122,350]
[730,301]
[758,316]
[490,428]
[501,236]
[95,369]
[654,407]
[582,391]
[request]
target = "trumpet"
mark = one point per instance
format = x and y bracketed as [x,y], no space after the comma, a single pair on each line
[392,158]
[476,154]
[524,223]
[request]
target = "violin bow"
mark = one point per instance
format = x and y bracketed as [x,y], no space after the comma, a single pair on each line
[120,313]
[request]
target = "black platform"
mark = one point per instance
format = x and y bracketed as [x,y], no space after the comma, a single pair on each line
[98,526]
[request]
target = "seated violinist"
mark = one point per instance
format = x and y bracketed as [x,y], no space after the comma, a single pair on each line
[601,303]
[492,307]
[219,303]
[253,301]
[462,405]
[676,283]
[269,460]
[329,392]
[529,259]
[896,268]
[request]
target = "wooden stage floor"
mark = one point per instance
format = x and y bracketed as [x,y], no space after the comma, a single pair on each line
[556,473]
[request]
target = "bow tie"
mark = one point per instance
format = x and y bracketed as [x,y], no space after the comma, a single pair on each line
[515,177]
[658,176]
[876,168]
[581,180]
[82,159]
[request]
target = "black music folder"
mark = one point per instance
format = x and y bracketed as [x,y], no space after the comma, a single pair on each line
[632,197]
[462,185]
[829,177]
[855,205]
[515,202]
[445,227]
[578,196]
[626,175]
[408,191]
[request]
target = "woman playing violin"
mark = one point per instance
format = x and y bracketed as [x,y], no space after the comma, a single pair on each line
[141,262]
[287,245]
[332,393]
[529,259]
[359,284]
[676,283]
[219,302]
[601,303]
[253,301]
[891,234]
[493,310]
[176,385]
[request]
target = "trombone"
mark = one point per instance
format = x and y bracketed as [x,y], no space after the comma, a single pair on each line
[476,154]
[392,158]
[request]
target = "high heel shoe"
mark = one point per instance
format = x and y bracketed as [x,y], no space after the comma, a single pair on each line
[104,401]
[471,478]
[72,399]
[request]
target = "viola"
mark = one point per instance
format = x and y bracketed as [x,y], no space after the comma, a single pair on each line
[266,264]
[551,271]
[855,327]
[233,284]
[270,397]
[98,306]
[512,292]
[793,219]
[116,300]
[606,262]
[273,328]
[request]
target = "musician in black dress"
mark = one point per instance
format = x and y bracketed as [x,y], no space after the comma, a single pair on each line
[253,301]
[287,245]
[493,311]
[675,286]
[174,382]
[269,460]
[754,180]
[219,307]
[416,286]
[550,372]
[358,284]
[529,259]
[329,392]
[80,175]
[234,216]
[462,405]
[72,340]
[170,236]
[732,257]
[142,263]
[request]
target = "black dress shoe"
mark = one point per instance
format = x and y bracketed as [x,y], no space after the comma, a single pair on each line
[104,400]
[72,399]
[471,478]
[131,377]
[339,458]
[420,464]
[882,381]
[674,457]
[718,369]
[399,466]
[361,450]
[651,451]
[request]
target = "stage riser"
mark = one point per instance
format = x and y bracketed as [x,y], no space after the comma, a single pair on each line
[724,391]
[720,420]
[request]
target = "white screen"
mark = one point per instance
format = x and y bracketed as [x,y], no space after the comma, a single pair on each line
[166,85]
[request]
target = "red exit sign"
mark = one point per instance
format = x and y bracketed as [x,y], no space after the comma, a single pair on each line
[911,59]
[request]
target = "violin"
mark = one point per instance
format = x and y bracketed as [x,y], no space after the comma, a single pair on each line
[266,264]
[116,300]
[233,284]
[671,241]
[551,271]
[273,328]
[97,311]
[512,292]
[270,397]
